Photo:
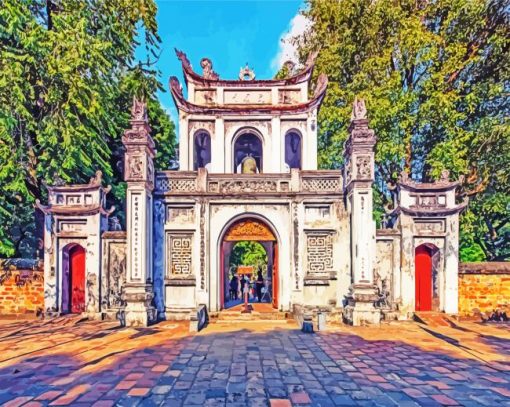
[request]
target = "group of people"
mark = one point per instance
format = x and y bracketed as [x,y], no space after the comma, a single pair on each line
[242,285]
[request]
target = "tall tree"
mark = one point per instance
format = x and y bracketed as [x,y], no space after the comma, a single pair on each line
[435,75]
[67,77]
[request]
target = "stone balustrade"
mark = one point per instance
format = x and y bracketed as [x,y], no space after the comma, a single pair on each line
[201,182]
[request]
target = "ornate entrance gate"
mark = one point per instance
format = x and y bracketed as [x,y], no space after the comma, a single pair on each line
[249,229]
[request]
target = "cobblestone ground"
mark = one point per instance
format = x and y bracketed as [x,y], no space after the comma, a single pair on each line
[71,362]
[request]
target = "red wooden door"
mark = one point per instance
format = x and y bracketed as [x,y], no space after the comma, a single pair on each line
[423,279]
[222,276]
[275,275]
[77,273]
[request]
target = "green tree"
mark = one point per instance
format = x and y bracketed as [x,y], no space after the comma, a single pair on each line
[67,77]
[435,76]
[248,253]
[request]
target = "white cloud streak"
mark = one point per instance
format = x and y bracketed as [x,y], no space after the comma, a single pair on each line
[286,50]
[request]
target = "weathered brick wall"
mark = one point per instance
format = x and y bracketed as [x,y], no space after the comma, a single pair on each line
[21,287]
[484,287]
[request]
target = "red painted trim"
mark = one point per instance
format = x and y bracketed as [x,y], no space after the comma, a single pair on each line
[77,274]
[423,279]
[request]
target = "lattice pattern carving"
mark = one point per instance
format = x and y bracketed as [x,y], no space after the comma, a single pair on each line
[320,184]
[177,185]
[319,253]
[179,254]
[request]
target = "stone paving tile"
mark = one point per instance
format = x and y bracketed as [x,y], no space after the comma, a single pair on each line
[96,364]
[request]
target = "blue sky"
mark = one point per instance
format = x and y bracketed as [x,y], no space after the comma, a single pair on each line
[230,33]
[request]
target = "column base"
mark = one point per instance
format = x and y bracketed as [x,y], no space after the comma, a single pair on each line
[138,310]
[360,309]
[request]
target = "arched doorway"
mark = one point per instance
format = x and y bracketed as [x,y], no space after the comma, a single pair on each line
[293,150]
[425,263]
[241,231]
[73,279]
[248,147]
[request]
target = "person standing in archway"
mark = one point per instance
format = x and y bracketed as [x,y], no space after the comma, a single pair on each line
[234,286]
[259,284]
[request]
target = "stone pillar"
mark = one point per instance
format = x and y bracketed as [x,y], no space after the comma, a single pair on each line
[139,175]
[358,180]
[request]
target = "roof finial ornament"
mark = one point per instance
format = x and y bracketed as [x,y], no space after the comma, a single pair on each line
[207,69]
[246,73]
[359,110]
[138,110]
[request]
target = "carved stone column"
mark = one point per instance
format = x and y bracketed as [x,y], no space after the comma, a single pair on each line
[358,180]
[139,175]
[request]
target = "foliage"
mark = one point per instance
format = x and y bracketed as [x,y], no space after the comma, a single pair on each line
[435,76]
[248,253]
[67,78]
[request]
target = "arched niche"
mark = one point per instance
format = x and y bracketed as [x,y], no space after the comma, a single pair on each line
[293,149]
[247,147]
[201,150]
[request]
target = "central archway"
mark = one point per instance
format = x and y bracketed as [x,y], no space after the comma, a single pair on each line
[248,229]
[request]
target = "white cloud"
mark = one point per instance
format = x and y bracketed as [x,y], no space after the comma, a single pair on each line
[286,50]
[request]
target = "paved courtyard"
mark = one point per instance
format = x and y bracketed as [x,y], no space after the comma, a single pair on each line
[82,363]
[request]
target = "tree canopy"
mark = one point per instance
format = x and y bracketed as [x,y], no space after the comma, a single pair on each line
[68,74]
[248,253]
[435,76]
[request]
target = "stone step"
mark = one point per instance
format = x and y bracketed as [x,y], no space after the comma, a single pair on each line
[432,318]
[252,316]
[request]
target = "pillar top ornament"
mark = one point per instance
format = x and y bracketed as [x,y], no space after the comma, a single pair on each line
[359,133]
[359,109]
[139,133]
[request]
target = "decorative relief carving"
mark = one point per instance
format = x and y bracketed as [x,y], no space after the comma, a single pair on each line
[135,167]
[249,230]
[348,171]
[150,171]
[229,187]
[246,73]
[319,253]
[320,184]
[116,274]
[176,185]
[180,214]
[207,69]
[359,110]
[179,252]
[363,166]
[255,97]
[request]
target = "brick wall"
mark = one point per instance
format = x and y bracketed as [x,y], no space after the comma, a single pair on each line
[21,287]
[484,287]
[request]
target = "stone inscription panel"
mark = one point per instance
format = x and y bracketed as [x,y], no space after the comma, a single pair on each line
[317,212]
[319,253]
[430,225]
[179,255]
[72,225]
[249,97]
[180,214]
[136,237]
